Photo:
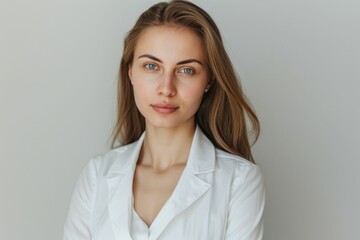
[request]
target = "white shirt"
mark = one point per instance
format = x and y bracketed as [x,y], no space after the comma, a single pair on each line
[139,229]
[219,196]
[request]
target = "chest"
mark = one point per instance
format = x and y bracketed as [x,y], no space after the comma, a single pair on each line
[152,189]
[193,206]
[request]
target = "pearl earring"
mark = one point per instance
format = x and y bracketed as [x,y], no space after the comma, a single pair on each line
[206,90]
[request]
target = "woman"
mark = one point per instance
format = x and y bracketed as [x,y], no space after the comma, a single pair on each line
[181,170]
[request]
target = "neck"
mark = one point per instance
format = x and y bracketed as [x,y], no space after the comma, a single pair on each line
[166,147]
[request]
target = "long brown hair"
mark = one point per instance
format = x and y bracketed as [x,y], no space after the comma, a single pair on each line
[224,112]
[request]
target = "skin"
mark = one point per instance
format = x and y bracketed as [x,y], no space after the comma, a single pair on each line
[169,76]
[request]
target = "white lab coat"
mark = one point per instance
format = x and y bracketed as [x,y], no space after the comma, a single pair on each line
[219,196]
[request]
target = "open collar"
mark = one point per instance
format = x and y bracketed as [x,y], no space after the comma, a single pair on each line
[191,186]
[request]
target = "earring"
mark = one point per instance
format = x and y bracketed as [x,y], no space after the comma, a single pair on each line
[206,90]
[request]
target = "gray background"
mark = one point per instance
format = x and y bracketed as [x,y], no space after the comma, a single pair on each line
[299,64]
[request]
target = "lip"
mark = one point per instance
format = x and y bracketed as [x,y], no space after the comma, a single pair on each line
[164,108]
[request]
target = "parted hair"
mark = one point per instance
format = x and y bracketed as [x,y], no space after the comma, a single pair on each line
[225,114]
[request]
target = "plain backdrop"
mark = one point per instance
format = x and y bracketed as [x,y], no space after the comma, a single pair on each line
[299,63]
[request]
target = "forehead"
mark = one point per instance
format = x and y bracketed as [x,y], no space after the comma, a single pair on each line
[170,43]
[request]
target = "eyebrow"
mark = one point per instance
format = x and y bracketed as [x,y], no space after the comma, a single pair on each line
[179,63]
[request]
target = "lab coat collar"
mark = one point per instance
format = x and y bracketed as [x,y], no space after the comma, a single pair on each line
[192,185]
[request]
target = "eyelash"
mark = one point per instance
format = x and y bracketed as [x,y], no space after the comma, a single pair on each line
[147,66]
[154,67]
[182,70]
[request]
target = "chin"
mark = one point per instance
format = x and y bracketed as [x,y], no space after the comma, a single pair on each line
[163,124]
[169,123]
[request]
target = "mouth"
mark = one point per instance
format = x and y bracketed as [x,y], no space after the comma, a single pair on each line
[164,108]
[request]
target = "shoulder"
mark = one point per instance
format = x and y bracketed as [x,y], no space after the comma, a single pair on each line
[240,168]
[116,159]
[243,177]
[246,196]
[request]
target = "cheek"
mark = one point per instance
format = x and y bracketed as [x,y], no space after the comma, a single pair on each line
[194,97]
[140,101]
[139,83]
[142,93]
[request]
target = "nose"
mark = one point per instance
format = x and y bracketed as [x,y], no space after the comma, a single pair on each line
[166,85]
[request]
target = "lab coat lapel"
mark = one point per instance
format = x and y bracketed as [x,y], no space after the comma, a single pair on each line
[194,183]
[120,181]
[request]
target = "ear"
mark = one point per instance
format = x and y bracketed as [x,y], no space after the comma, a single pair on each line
[210,82]
[130,72]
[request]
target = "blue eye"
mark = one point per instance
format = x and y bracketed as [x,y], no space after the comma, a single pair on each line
[188,71]
[150,66]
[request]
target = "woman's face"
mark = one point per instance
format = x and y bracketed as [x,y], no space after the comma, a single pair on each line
[169,74]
